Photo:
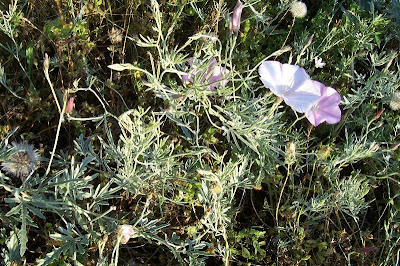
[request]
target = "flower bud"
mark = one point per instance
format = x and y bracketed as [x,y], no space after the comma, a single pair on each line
[70,105]
[310,40]
[290,154]
[234,25]
[46,62]
[379,114]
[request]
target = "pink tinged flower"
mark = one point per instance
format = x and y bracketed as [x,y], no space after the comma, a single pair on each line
[187,79]
[70,105]
[214,76]
[193,72]
[291,83]
[327,108]
[234,25]
[126,231]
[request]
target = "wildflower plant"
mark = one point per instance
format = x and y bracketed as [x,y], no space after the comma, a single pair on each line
[192,133]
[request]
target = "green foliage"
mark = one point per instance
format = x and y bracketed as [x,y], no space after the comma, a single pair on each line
[71,245]
[253,244]
[198,176]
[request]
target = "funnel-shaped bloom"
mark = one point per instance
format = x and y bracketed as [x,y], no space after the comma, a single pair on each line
[291,83]
[327,108]
[213,76]
[234,25]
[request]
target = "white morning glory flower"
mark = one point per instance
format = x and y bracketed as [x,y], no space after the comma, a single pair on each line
[291,83]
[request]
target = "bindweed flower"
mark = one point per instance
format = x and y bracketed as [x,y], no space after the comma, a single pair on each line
[193,72]
[213,77]
[291,83]
[318,62]
[298,9]
[70,105]
[126,231]
[326,109]
[234,25]
[23,160]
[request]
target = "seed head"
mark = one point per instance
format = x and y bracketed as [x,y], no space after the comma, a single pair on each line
[298,9]
[290,154]
[115,35]
[324,152]
[22,161]
[395,101]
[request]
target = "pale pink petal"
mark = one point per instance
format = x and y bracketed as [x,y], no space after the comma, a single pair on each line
[331,97]
[225,73]
[327,108]
[218,74]
[213,81]
[187,79]
[212,62]
[190,62]
[210,69]
[312,118]
[209,77]
[301,102]
[126,232]
[332,116]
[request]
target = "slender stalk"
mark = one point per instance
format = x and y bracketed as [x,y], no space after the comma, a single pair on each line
[57,133]
[46,74]
[280,197]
